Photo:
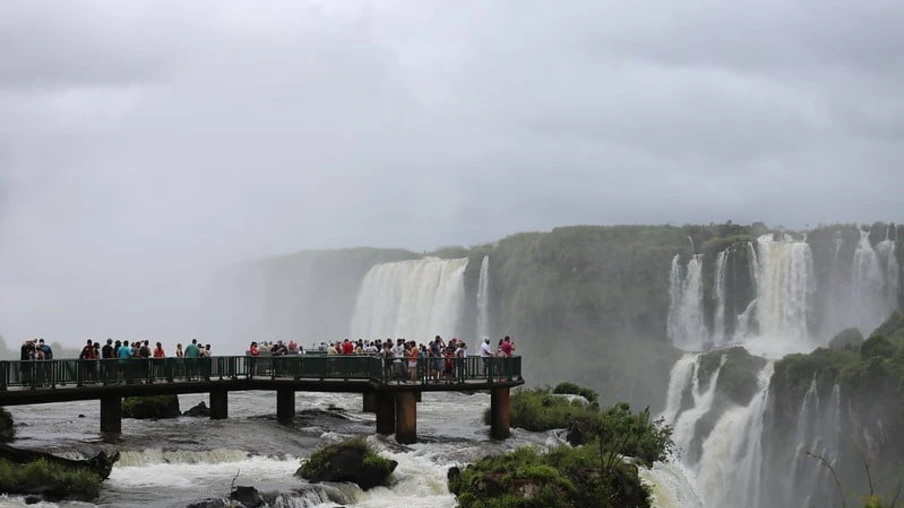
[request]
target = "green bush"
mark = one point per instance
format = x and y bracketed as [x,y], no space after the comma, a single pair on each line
[562,478]
[352,460]
[538,410]
[51,480]
[595,475]
[876,346]
[567,387]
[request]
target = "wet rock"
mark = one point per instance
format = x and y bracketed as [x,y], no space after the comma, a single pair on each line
[575,436]
[29,500]
[199,411]
[154,407]
[247,496]
[349,461]
[209,503]
[101,464]
[7,431]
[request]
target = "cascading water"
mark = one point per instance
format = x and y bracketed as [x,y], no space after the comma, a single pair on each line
[719,319]
[686,326]
[786,285]
[868,283]
[892,272]
[679,380]
[414,299]
[483,299]
[686,422]
[729,472]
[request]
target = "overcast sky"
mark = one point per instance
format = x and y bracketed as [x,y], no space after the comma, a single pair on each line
[173,133]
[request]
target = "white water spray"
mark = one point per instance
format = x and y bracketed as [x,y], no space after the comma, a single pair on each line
[719,319]
[786,284]
[483,299]
[732,453]
[686,328]
[679,379]
[413,299]
[685,426]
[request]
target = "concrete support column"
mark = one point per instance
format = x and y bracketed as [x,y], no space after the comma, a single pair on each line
[386,413]
[500,413]
[406,417]
[111,414]
[417,396]
[285,404]
[370,402]
[219,404]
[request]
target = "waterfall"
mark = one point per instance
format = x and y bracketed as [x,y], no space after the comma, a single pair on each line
[742,330]
[671,485]
[679,379]
[483,299]
[685,321]
[891,276]
[731,463]
[414,299]
[685,426]
[868,281]
[786,285]
[719,319]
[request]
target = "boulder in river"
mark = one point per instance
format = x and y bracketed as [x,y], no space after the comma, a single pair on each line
[199,411]
[34,473]
[249,497]
[349,461]
[153,407]
[7,431]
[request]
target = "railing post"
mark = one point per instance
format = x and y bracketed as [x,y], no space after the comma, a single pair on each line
[4,375]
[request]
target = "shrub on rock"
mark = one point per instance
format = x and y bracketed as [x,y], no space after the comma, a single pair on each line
[349,461]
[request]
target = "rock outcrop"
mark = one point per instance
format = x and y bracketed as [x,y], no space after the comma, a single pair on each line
[350,461]
[154,407]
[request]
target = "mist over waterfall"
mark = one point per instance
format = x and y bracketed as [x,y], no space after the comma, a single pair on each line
[483,299]
[414,299]
[686,326]
[785,284]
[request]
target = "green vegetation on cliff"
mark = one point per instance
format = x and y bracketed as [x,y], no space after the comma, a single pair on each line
[48,479]
[596,474]
[866,384]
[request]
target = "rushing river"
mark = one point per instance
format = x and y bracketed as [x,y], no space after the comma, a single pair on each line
[173,463]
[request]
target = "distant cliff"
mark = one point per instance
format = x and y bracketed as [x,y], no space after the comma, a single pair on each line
[589,301]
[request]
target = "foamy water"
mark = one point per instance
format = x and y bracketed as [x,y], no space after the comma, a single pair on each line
[172,463]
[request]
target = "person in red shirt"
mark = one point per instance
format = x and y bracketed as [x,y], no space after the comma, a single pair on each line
[507,346]
[348,348]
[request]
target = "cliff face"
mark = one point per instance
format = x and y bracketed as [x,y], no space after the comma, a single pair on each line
[588,302]
[844,405]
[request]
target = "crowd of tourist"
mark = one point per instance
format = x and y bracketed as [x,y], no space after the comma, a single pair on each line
[404,360]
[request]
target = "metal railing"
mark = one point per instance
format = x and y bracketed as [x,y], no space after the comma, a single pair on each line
[77,373]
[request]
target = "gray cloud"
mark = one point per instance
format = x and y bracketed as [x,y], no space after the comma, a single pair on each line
[143,141]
